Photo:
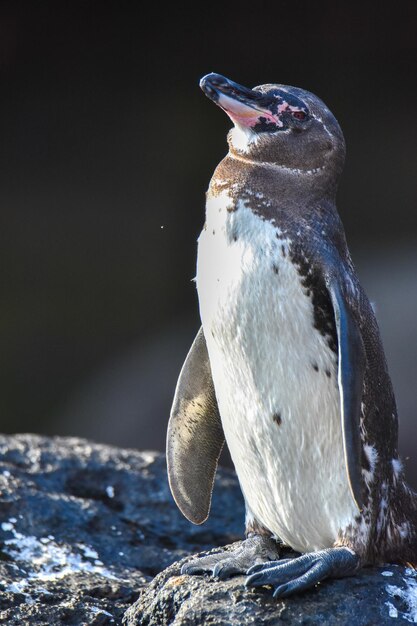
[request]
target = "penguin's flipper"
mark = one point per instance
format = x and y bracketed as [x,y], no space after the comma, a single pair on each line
[195,435]
[350,381]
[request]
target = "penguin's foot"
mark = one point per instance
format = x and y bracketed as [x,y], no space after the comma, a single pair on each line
[291,576]
[253,551]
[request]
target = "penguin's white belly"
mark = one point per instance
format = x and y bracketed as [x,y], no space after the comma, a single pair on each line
[275,379]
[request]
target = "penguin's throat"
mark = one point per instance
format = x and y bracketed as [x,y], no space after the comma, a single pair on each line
[242,140]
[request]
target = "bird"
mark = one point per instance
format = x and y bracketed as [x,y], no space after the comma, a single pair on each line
[288,366]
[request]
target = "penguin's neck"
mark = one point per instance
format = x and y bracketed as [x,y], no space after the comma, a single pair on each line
[295,189]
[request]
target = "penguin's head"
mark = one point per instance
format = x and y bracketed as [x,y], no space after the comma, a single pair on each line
[278,124]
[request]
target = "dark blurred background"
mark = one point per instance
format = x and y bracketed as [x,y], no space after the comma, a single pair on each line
[107,149]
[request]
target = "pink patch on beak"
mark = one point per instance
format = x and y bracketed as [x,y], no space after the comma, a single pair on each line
[244,114]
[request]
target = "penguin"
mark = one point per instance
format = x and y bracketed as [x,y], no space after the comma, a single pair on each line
[288,366]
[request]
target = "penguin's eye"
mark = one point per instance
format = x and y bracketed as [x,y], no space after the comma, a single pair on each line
[299,115]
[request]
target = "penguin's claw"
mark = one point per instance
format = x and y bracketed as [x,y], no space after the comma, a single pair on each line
[294,575]
[256,550]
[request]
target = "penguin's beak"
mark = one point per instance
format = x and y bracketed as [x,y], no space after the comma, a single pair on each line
[244,106]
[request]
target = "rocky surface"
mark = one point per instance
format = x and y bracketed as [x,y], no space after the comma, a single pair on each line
[89,534]
[85,527]
[377,596]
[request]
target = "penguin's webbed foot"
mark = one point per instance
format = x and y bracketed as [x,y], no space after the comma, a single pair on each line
[252,551]
[291,576]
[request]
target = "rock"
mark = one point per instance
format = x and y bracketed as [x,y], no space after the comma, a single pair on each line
[375,596]
[90,533]
[85,527]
